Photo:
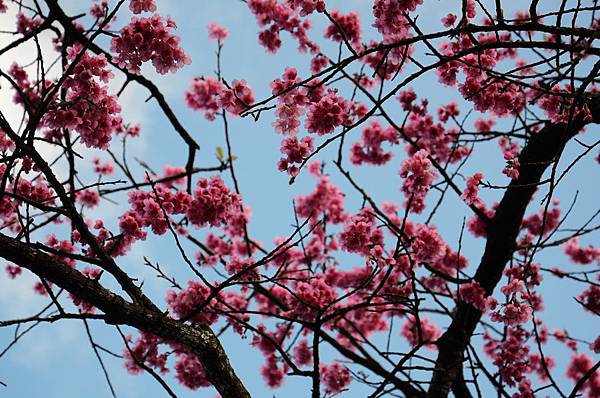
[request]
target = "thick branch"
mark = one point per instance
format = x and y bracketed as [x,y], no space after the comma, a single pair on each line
[539,153]
[198,339]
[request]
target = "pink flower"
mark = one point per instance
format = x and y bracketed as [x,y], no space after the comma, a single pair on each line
[449,20]
[389,15]
[512,165]
[361,235]
[139,6]
[303,354]
[145,350]
[581,255]
[472,293]
[190,372]
[217,32]
[236,99]
[349,24]
[88,198]
[328,113]
[429,332]
[92,112]
[213,203]
[202,95]
[295,152]
[418,177]
[590,299]
[368,149]
[308,6]
[102,169]
[13,271]
[149,39]
[184,302]
[335,377]
[469,195]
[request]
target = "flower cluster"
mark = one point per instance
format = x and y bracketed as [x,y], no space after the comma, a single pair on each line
[329,112]
[295,153]
[89,109]
[335,377]
[469,195]
[278,17]
[368,149]
[418,177]
[213,203]
[581,255]
[361,235]
[139,6]
[429,332]
[217,32]
[149,39]
[349,25]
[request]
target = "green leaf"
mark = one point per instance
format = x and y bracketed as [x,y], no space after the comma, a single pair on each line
[219,153]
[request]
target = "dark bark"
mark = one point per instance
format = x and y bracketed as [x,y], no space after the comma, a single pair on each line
[198,339]
[540,152]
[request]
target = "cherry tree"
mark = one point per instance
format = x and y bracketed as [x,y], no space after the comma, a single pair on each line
[365,293]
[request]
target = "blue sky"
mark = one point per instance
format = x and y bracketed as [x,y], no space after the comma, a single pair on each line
[57,361]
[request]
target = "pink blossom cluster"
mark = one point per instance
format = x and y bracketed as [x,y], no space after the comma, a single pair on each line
[145,350]
[202,95]
[6,144]
[389,15]
[26,24]
[441,142]
[469,195]
[149,39]
[368,149]
[237,98]
[244,266]
[511,169]
[517,310]
[278,16]
[99,8]
[387,64]
[430,332]
[327,199]
[217,32]
[89,110]
[590,299]
[148,209]
[543,222]
[88,198]
[485,91]
[335,377]
[291,102]
[213,203]
[361,235]
[579,366]
[140,6]
[295,151]
[313,297]
[472,293]
[184,302]
[104,169]
[307,6]
[557,104]
[329,112]
[12,271]
[349,25]
[418,177]
[209,95]
[510,355]
[581,255]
